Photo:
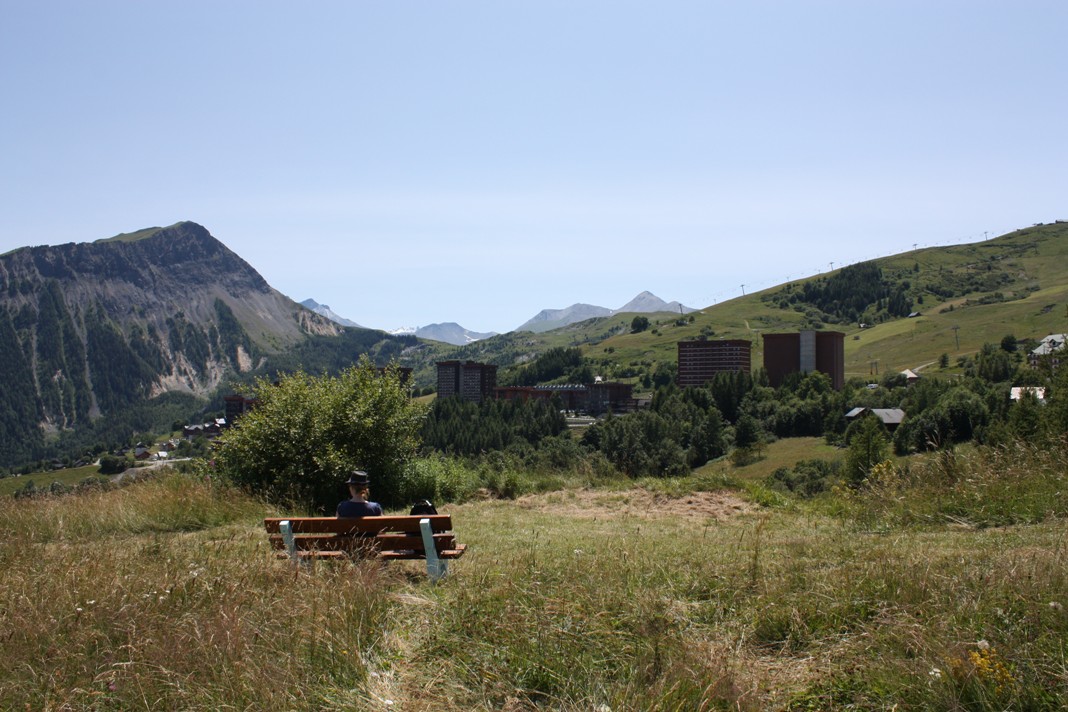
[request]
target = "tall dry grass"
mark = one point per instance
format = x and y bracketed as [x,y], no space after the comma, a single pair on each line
[161,596]
[574,600]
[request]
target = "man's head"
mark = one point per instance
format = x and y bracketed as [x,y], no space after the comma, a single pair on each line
[358,478]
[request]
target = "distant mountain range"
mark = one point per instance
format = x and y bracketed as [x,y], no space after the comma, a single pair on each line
[329,313]
[133,333]
[545,320]
[644,303]
[448,333]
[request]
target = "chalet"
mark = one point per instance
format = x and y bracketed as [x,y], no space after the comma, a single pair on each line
[889,417]
[1018,392]
[209,430]
[910,376]
[1050,347]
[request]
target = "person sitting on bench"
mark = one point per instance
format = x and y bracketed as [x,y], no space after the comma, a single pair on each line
[358,505]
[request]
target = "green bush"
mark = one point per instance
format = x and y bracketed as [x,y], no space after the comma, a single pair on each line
[306,433]
[439,479]
[807,478]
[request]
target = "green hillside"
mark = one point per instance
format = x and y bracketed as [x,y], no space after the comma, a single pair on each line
[1014,284]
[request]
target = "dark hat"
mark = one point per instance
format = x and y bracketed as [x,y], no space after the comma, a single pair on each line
[358,477]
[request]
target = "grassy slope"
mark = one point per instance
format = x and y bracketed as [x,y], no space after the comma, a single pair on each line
[42,480]
[165,595]
[781,453]
[132,236]
[1034,256]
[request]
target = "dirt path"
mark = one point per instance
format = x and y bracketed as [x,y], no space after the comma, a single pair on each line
[638,503]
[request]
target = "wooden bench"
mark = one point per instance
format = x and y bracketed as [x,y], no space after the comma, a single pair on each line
[427,537]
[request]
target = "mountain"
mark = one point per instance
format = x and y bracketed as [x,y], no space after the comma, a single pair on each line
[100,341]
[901,311]
[451,333]
[549,319]
[98,329]
[447,333]
[326,311]
[645,303]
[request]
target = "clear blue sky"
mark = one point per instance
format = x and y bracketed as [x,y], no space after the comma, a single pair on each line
[418,162]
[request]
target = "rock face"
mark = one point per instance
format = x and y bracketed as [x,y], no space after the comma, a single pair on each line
[88,329]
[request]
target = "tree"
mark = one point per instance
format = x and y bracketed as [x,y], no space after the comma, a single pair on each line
[995,365]
[639,324]
[747,432]
[867,448]
[112,465]
[306,433]
[1056,412]
[641,444]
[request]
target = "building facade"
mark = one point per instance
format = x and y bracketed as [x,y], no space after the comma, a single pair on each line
[592,398]
[466,379]
[236,406]
[803,352]
[700,361]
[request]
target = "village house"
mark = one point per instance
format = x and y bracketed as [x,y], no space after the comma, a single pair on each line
[889,417]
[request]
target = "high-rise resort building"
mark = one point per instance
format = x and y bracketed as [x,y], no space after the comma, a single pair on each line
[466,379]
[804,352]
[700,361]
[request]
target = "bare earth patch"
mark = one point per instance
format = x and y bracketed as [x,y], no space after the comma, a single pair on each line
[640,503]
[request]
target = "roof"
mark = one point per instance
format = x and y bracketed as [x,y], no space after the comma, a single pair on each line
[1051,343]
[1017,392]
[888,416]
[910,374]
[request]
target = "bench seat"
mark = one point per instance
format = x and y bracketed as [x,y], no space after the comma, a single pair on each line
[387,538]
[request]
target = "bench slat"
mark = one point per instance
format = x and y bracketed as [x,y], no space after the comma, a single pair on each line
[382,542]
[383,538]
[361,525]
[387,555]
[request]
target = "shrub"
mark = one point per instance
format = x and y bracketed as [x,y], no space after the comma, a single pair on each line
[437,478]
[807,478]
[307,432]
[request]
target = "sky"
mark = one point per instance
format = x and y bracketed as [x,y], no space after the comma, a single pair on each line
[410,163]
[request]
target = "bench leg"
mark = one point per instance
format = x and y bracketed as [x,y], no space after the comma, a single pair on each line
[436,568]
[286,528]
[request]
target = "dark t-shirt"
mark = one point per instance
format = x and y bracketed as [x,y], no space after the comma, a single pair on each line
[348,508]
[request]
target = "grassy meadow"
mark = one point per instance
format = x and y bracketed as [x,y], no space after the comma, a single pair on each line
[940,586]
[69,477]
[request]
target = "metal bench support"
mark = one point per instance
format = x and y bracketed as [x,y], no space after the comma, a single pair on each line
[286,528]
[436,567]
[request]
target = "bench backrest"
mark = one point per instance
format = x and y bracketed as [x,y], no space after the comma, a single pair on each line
[361,525]
[388,537]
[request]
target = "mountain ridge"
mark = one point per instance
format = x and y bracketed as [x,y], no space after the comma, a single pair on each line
[324,310]
[644,303]
[80,348]
[90,329]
